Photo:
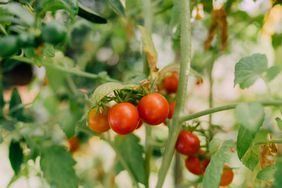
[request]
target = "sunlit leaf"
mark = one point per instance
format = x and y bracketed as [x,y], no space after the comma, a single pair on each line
[214,170]
[272,72]
[132,152]
[57,166]
[267,173]
[249,69]
[278,174]
[250,117]
[104,90]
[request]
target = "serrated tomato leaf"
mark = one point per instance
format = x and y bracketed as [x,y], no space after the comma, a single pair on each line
[277,183]
[272,72]
[250,117]
[249,69]
[267,173]
[15,156]
[132,152]
[57,166]
[214,170]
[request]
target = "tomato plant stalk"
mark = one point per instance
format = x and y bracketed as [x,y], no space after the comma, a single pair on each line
[185,64]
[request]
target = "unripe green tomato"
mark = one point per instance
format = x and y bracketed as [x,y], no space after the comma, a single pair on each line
[26,40]
[54,33]
[8,45]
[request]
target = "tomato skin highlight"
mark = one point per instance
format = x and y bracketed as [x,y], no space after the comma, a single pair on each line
[195,165]
[227,176]
[171,109]
[73,144]
[187,143]
[97,121]
[123,118]
[153,108]
[170,83]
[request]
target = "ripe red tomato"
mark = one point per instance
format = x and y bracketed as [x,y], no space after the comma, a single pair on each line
[195,165]
[170,83]
[153,108]
[73,144]
[227,176]
[98,121]
[123,118]
[171,109]
[187,143]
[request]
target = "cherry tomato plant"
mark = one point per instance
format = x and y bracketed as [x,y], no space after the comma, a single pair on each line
[123,93]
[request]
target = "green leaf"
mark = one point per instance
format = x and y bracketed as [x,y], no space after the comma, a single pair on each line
[15,156]
[279,123]
[249,69]
[90,15]
[117,7]
[251,158]
[214,170]
[43,6]
[272,72]
[15,107]
[278,174]
[132,152]
[267,173]
[20,14]
[276,40]
[104,90]
[250,115]
[2,102]
[57,166]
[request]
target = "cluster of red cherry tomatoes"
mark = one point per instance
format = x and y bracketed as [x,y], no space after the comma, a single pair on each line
[197,160]
[124,117]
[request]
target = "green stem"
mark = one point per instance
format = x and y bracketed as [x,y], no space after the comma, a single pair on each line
[148,17]
[185,65]
[224,108]
[74,71]
[148,152]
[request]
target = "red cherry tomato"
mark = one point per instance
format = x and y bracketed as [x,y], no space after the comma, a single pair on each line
[195,165]
[170,83]
[171,109]
[123,118]
[187,143]
[227,176]
[73,144]
[153,108]
[97,121]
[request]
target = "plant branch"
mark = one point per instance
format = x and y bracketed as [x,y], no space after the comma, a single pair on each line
[224,108]
[73,71]
[148,20]
[185,65]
